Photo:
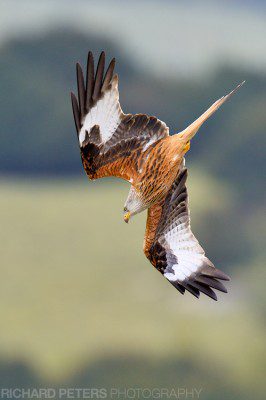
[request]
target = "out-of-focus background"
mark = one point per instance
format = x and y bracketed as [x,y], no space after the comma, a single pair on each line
[79,303]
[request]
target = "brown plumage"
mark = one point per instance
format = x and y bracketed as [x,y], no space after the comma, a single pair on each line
[138,148]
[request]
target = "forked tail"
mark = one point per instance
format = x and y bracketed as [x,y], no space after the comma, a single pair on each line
[193,128]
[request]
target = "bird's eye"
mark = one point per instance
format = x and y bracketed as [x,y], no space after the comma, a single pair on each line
[125,209]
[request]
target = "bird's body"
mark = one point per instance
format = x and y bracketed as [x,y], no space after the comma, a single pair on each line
[159,166]
[138,148]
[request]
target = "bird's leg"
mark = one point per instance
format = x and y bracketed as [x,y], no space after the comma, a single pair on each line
[187,147]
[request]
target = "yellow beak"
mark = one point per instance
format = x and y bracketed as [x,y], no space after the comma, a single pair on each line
[126,217]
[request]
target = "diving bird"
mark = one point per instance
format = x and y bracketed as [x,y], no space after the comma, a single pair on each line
[139,149]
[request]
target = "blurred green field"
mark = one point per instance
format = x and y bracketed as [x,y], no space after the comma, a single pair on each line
[80,306]
[76,289]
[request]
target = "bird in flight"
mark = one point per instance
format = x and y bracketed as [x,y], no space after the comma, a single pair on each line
[139,149]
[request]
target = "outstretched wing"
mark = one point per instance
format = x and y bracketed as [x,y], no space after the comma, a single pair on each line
[173,249]
[111,142]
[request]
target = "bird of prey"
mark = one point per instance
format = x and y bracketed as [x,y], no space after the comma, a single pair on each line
[139,149]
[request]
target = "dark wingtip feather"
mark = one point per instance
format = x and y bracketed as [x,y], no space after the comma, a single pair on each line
[215,273]
[212,282]
[96,83]
[99,77]
[221,275]
[205,289]
[76,112]
[89,80]
[180,288]
[191,288]
[81,90]
[109,74]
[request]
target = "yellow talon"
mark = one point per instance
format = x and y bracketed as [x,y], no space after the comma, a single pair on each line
[187,146]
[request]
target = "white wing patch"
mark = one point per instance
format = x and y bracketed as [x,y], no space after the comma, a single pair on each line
[106,113]
[190,255]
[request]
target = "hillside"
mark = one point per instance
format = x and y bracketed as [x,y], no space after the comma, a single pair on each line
[37,132]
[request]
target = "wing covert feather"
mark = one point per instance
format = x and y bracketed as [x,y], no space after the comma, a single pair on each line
[111,142]
[174,250]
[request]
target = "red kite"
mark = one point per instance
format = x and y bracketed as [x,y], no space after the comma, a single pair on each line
[138,148]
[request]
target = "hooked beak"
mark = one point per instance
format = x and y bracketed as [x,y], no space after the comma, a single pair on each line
[126,217]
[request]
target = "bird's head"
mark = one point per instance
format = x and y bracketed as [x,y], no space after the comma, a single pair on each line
[127,215]
[133,205]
